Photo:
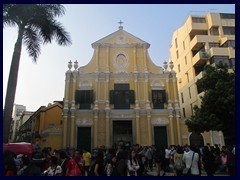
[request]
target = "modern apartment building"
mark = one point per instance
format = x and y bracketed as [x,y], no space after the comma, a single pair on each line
[206,39]
[17,112]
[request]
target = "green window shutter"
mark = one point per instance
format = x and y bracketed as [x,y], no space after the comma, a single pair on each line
[111,96]
[132,97]
[77,96]
[91,96]
[163,96]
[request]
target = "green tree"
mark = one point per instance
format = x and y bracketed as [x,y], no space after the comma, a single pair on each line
[36,25]
[217,110]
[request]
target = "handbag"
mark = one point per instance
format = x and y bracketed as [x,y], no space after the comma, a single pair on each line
[187,171]
[131,173]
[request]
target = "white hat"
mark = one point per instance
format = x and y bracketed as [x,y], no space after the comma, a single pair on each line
[19,156]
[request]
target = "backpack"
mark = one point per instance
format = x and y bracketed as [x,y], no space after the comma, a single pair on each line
[178,164]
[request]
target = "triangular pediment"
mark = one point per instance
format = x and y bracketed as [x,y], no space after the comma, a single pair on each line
[120,37]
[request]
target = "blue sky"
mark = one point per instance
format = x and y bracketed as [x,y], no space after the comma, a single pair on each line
[44,82]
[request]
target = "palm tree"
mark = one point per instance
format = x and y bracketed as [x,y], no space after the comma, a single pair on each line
[36,25]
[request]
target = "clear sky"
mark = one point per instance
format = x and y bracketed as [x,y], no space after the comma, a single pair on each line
[44,82]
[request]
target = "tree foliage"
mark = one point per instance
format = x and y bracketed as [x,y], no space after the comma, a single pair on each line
[217,110]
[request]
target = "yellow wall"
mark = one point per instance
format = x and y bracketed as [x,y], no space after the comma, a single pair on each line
[138,71]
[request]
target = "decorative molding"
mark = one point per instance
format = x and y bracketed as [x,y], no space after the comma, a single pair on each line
[157,85]
[85,85]
[120,39]
[121,62]
[84,122]
[160,121]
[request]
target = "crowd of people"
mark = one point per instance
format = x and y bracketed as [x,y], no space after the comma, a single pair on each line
[122,161]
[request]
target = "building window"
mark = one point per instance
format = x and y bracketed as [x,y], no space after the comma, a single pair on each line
[184,113]
[199,90]
[213,44]
[182,98]
[227,16]
[176,42]
[192,109]
[121,96]
[218,59]
[186,60]
[228,30]
[84,98]
[187,76]
[179,68]
[158,99]
[198,20]
[189,90]
[229,43]
[183,45]
[177,54]
[214,31]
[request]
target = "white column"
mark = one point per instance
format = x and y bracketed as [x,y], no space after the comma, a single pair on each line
[72,132]
[96,59]
[136,91]
[135,60]
[95,140]
[149,128]
[170,111]
[145,59]
[107,130]
[65,117]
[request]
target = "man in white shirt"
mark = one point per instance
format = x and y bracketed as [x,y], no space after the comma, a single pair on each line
[167,158]
[189,160]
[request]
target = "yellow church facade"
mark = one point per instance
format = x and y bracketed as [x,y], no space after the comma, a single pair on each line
[120,96]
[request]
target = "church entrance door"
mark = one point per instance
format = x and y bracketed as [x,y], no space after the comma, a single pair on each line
[122,132]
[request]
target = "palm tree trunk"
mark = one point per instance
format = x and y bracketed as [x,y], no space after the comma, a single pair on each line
[12,85]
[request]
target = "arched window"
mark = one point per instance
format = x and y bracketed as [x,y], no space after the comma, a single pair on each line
[196,139]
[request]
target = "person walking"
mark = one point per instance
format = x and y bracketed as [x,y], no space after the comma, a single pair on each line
[87,159]
[99,166]
[230,161]
[132,164]
[111,166]
[208,160]
[63,162]
[191,159]
[122,163]
[160,161]
[178,161]
[54,169]
[74,166]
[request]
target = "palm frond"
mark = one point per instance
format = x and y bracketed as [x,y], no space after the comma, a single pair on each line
[62,37]
[54,9]
[32,41]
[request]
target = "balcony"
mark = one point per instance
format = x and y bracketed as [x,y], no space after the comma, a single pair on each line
[199,41]
[219,51]
[199,76]
[196,27]
[200,58]
[231,53]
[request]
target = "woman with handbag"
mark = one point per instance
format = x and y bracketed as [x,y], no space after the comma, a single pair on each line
[133,165]
[54,169]
[191,159]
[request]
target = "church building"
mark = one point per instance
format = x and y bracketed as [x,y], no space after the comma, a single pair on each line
[120,96]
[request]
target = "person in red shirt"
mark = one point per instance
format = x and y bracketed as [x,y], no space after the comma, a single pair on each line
[74,165]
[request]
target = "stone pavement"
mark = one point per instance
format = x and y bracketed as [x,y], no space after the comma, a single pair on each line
[154,173]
